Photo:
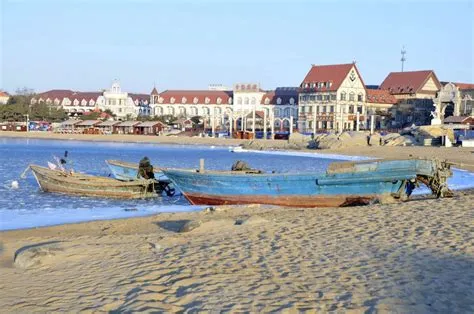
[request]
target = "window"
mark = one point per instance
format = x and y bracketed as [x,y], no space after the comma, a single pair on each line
[319,97]
[326,97]
[317,109]
[253,101]
[302,109]
[359,97]
[310,109]
[239,101]
[351,97]
[331,109]
[343,96]
[312,98]
[246,101]
[333,97]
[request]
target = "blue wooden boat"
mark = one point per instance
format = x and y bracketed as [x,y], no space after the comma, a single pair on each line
[128,171]
[343,184]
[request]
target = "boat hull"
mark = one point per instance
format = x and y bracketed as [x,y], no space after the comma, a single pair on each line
[56,181]
[344,184]
[284,200]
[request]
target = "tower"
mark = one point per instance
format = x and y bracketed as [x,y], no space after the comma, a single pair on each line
[403,59]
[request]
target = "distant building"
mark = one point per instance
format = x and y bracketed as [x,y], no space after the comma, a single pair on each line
[464,102]
[75,103]
[230,110]
[332,97]
[4,96]
[414,91]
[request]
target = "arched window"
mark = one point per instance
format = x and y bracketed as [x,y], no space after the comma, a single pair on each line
[183,100]
[172,100]
[219,100]
[253,101]
[267,101]
[278,101]
[239,100]
[292,101]
[246,101]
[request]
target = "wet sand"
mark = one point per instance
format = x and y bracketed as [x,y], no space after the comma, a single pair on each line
[416,256]
[462,156]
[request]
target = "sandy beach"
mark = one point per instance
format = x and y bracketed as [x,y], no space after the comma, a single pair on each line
[462,156]
[414,257]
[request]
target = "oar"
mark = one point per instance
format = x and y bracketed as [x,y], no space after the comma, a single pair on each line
[23,174]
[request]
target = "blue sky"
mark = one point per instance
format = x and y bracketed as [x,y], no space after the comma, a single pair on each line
[84,45]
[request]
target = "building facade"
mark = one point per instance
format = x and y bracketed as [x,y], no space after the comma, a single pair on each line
[332,97]
[244,108]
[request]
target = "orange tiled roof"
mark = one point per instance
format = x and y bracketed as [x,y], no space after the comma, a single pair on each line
[380,96]
[189,96]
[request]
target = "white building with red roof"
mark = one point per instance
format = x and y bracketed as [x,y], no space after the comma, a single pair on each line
[332,97]
[75,103]
[230,110]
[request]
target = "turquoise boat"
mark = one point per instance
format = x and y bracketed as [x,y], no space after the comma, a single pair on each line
[343,184]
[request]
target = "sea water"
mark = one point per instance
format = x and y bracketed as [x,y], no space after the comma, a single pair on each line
[27,206]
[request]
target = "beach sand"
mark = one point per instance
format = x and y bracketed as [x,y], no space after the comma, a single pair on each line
[417,256]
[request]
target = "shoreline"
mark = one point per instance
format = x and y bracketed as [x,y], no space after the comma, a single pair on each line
[462,156]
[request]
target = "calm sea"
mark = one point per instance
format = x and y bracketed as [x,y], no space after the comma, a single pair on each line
[28,207]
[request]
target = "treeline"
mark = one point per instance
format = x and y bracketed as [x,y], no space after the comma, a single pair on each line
[19,106]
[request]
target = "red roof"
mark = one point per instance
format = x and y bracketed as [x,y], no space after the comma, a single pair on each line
[154,92]
[408,82]
[464,85]
[190,95]
[380,96]
[66,93]
[334,73]
[4,94]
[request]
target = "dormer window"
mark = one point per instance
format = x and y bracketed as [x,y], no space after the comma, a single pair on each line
[278,101]
[207,100]
[267,101]
[172,100]
[219,100]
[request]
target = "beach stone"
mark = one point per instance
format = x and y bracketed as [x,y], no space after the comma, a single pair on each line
[31,256]
[190,225]
[250,220]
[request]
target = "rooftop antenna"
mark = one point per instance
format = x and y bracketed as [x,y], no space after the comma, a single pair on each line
[403,59]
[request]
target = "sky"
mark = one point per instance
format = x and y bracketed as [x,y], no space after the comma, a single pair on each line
[84,45]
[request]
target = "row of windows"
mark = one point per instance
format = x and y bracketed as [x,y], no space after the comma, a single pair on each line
[360,97]
[330,109]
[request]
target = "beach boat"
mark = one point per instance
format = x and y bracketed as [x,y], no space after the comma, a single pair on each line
[127,171]
[343,184]
[58,181]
